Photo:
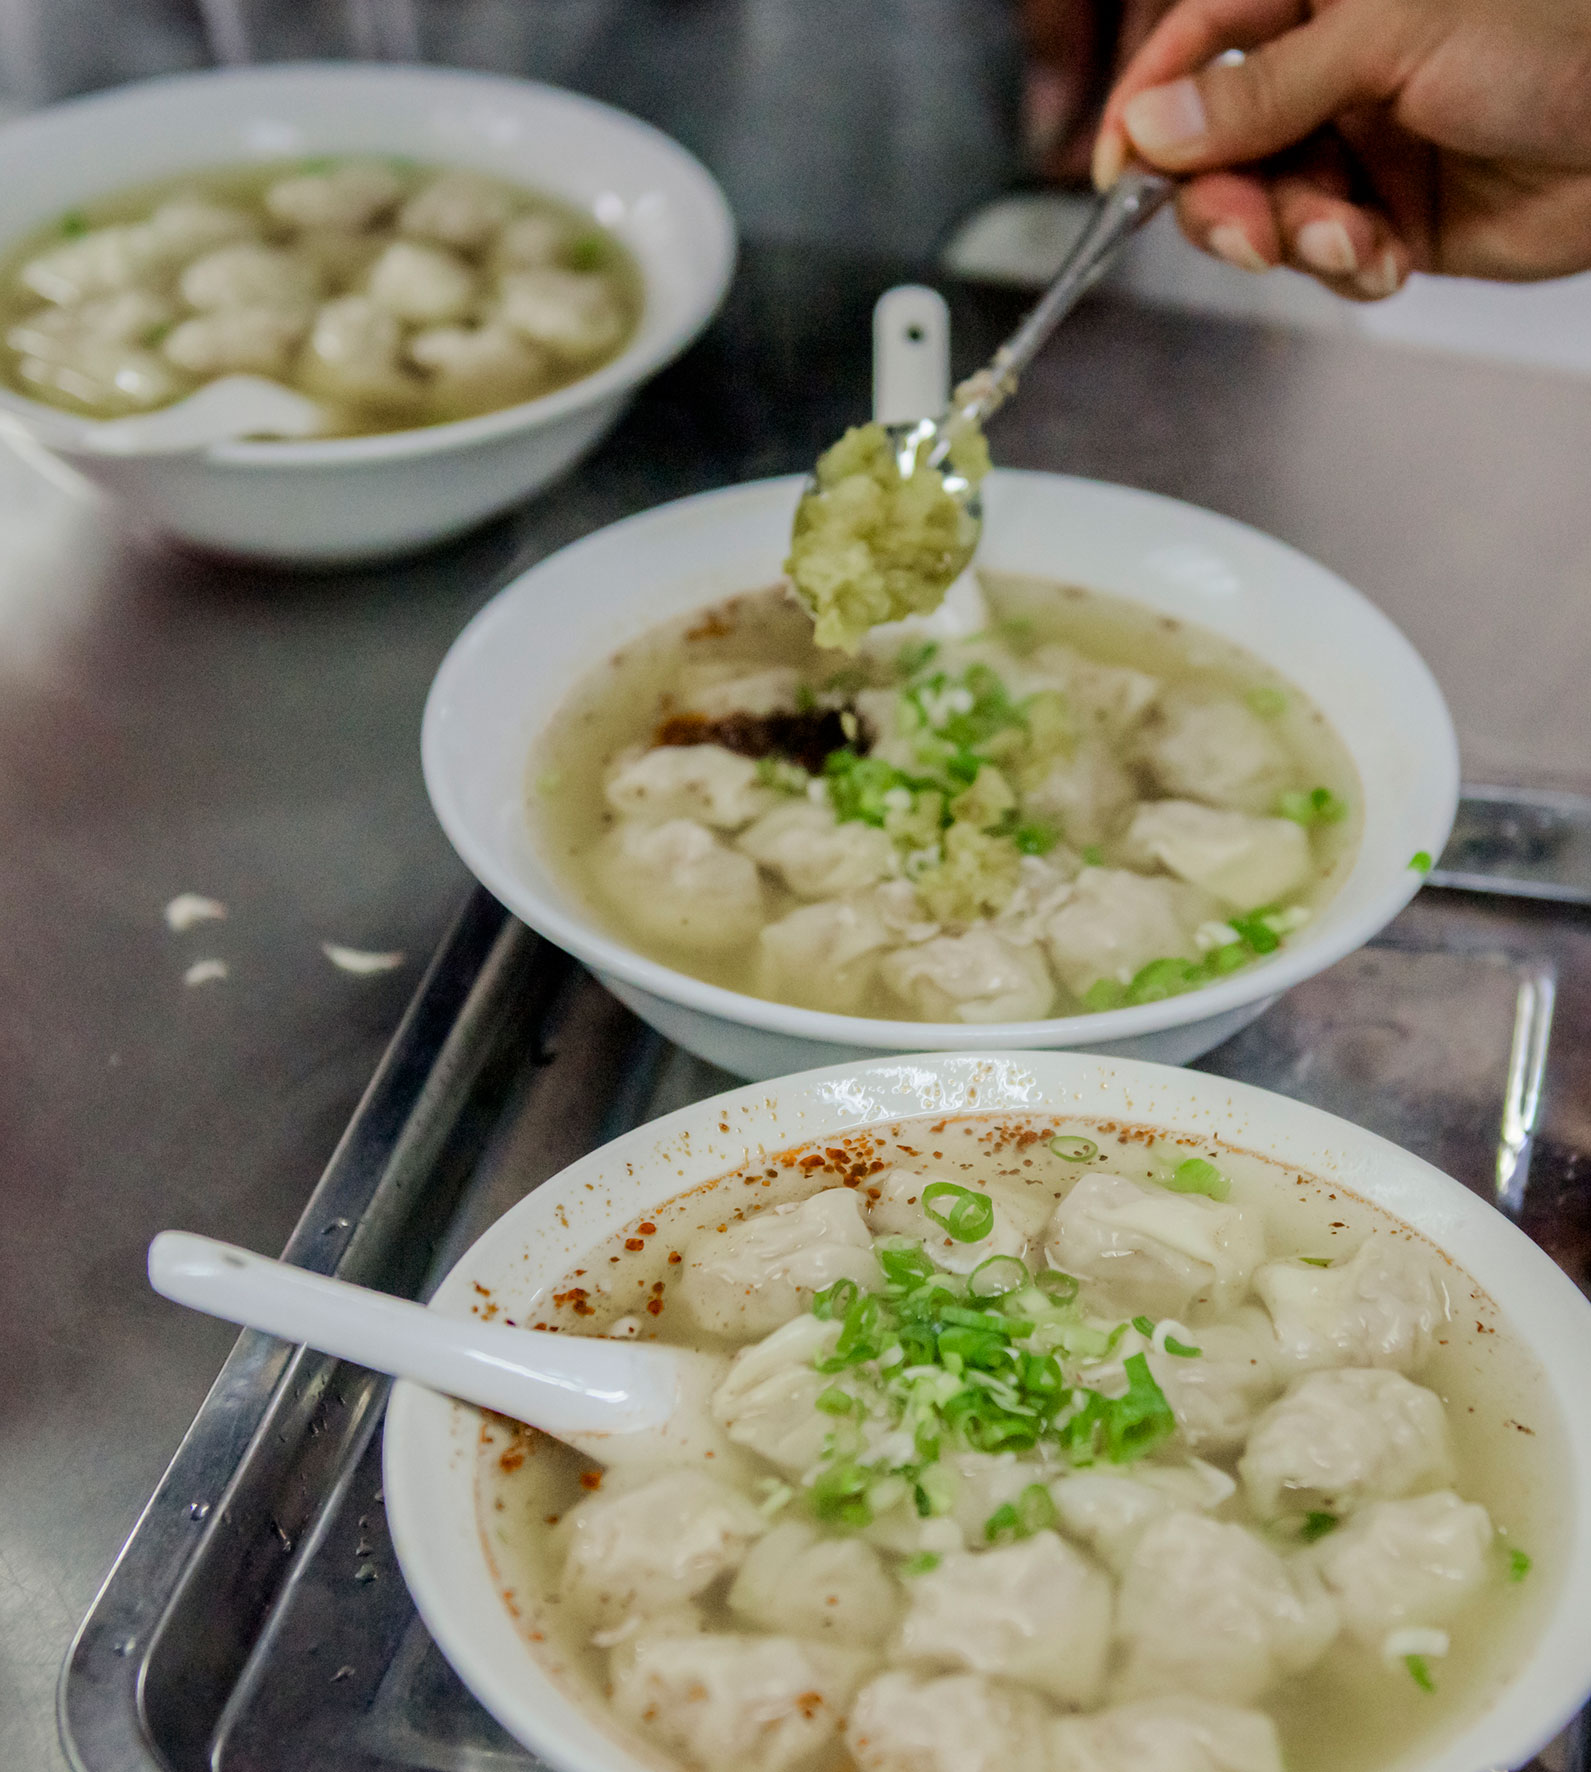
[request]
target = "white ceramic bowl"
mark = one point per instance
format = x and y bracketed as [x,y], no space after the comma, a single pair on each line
[363,497]
[510,669]
[432,1444]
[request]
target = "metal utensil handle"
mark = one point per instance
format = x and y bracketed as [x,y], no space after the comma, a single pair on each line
[1116,217]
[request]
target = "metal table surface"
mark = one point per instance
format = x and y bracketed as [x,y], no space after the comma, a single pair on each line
[169,725]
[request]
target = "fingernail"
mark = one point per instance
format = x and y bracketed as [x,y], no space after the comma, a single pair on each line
[1228,241]
[1165,119]
[1326,246]
[1381,279]
[1110,155]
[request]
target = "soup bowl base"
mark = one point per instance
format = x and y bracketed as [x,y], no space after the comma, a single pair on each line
[758,1054]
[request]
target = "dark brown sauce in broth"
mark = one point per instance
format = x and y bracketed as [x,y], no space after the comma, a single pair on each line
[1351,1712]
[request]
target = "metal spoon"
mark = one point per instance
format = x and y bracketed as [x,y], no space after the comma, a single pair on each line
[615,1400]
[926,444]
[232,407]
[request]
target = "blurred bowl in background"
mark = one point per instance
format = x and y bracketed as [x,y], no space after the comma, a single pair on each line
[344,499]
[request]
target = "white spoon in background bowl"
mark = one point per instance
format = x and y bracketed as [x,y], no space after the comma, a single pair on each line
[223,411]
[616,1401]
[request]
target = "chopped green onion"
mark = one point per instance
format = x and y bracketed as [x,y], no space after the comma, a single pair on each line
[912,659]
[805,699]
[903,1264]
[1195,1176]
[969,1220]
[74,224]
[1032,1511]
[1266,701]
[839,1494]
[1059,1288]
[1317,1525]
[834,1301]
[588,253]
[997,1276]
[1104,993]
[1093,856]
[1254,930]
[1143,1325]
[1421,861]
[1160,979]
[1035,837]
[1518,1565]
[834,1401]
[785,778]
[1419,1672]
[1137,1422]
[1181,1349]
[1315,1260]
[1318,806]
[921,1564]
[1074,1149]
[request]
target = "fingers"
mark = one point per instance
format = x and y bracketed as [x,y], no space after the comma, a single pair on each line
[1191,35]
[1257,222]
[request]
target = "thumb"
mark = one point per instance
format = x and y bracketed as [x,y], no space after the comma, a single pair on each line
[1237,111]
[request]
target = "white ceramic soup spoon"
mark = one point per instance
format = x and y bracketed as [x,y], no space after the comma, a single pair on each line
[615,1400]
[223,411]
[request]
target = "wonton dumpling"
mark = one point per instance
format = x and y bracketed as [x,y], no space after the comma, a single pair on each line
[984,1482]
[1381,1307]
[738,1703]
[1216,750]
[700,781]
[1115,922]
[96,352]
[1088,794]
[574,313]
[535,239]
[799,1582]
[1037,1612]
[1111,698]
[978,977]
[472,362]
[767,1400]
[898,1212]
[348,198]
[717,690]
[751,1276]
[1206,1608]
[104,261]
[1342,1437]
[424,285]
[815,854]
[353,352]
[1216,1396]
[676,883]
[1151,1250]
[1167,1735]
[250,274]
[1402,1563]
[1109,1511]
[1243,861]
[642,1545]
[956,1723]
[824,955]
[458,209]
[256,340]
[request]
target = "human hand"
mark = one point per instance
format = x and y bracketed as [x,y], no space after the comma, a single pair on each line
[1360,139]
[1076,49]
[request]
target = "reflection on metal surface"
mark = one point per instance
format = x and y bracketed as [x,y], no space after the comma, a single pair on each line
[1527,1067]
[1524,842]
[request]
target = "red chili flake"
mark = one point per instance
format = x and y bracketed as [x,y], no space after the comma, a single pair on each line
[674,1258]
[512,1459]
[634,1243]
[657,1285]
[553,1519]
[654,1306]
[647,1228]
[484,1291]
[591,1479]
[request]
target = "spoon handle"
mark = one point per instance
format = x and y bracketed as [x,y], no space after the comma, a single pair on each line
[569,1386]
[1116,217]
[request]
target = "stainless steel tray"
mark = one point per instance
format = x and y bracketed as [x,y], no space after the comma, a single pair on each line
[256,1621]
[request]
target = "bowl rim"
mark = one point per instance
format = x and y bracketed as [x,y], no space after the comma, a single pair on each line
[638,361]
[688,1147]
[1302,957]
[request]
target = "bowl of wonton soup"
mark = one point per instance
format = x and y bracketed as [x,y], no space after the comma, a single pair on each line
[1347,1262]
[504,695]
[341,498]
